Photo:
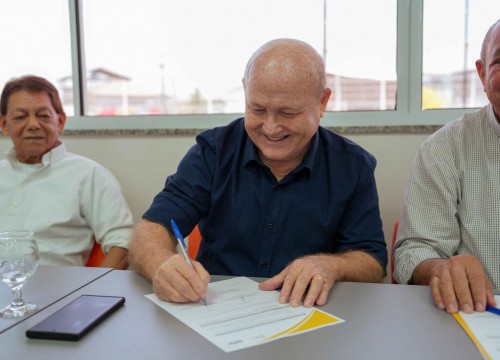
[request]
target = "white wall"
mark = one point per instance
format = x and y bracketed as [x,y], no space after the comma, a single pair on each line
[142,163]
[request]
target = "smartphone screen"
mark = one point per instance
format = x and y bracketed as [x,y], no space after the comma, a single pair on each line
[76,319]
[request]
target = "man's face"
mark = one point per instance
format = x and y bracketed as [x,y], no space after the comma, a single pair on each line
[281,118]
[489,71]
[33,125]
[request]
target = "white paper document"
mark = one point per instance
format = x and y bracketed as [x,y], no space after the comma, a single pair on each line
[484,330]
[239,315]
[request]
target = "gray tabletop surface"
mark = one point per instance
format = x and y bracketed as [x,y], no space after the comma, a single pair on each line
[48,285]
[383,321]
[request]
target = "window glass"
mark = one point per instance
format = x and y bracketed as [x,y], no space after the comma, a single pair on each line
[36,40]
[452,39]
[188,56]
[361,54]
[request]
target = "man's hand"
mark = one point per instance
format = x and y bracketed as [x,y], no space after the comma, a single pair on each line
[457,283]
[177,281]
[314,275]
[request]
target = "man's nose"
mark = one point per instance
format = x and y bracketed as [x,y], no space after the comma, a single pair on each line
[271,124]
[33,123]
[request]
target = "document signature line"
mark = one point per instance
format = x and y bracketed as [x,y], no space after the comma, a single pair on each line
[243,316]
[260,323]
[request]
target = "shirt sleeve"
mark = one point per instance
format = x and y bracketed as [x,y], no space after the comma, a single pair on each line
[186,195]
[361,226]
[106,210]
[428,226]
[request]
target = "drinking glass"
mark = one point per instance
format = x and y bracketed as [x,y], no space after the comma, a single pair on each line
[18,261]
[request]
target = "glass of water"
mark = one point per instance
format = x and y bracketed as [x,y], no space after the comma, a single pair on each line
[18,261]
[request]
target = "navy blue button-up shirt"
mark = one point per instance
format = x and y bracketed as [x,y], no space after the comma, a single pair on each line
[253,225]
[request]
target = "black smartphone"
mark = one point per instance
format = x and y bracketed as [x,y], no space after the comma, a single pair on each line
[76,319]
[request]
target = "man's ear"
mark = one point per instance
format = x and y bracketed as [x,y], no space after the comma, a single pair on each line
[324,100]
[3,125]
[480,70]
[62,121]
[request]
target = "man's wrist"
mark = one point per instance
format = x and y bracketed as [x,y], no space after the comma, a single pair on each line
[160,262]
[423,272]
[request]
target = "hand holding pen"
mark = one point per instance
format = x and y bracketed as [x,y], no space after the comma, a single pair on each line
[182,245]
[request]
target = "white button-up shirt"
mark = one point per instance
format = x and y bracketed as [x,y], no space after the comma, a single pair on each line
[66,200]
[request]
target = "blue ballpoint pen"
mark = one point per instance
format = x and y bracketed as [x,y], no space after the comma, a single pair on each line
[182,244]
[493,309]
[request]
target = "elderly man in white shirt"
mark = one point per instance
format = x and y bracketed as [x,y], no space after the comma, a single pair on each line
[65,199]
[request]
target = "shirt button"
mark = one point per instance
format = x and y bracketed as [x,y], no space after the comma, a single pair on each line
[269,226]
[263,266]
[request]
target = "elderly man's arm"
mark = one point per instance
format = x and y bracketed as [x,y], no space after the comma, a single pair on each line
[108,215]
[153,254]
[116,258]
[314,276]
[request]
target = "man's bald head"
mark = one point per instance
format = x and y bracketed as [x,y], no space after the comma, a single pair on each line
[293,60]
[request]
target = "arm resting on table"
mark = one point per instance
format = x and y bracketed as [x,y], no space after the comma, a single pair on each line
[316,274]
[358,266]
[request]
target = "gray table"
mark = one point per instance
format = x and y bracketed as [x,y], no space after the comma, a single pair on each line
[48,285]
[382,322]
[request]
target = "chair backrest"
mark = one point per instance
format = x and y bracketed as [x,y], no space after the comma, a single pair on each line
[394,234]
[194,241]
[96,256]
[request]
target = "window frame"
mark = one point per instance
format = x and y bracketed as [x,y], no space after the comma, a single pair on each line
[408,97]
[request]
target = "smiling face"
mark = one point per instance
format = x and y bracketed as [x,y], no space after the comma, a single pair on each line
[284,101]
[33,125]
[488,69]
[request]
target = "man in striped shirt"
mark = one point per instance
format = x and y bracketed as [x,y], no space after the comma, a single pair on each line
[449,234]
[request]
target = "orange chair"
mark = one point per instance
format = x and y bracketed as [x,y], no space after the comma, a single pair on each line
[96,256]
[395,232]
[194,242]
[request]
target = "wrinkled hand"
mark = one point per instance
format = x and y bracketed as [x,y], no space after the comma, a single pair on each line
[459,283]
[314,274]
[177,281]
